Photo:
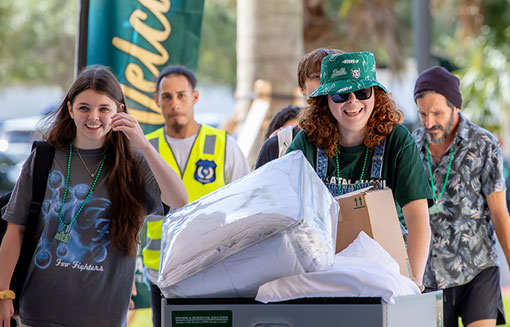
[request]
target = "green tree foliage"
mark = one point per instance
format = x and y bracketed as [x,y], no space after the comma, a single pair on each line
[480,47]
[485,83]
[217,58]
[38,41]
[497,19]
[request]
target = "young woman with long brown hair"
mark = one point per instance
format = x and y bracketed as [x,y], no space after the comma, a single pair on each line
[105,178]
[351,135]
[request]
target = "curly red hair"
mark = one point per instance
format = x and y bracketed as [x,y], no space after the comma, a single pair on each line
[320,125]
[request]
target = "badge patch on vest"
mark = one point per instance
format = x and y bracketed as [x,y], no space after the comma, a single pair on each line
[205,171]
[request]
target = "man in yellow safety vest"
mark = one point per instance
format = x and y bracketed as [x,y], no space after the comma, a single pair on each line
[204,157]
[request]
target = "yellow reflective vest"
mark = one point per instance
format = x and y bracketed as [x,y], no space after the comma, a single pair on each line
[204,173]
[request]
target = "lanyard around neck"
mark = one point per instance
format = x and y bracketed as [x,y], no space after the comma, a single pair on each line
[338,172]
[64,235]
[432,176]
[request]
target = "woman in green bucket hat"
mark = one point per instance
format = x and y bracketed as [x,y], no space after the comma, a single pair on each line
[351,135]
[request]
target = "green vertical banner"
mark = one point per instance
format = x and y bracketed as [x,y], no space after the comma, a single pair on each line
[139,38]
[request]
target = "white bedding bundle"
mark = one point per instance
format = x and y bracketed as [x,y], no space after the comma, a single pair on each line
[279,220]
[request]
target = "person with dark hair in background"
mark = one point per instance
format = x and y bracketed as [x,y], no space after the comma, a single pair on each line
[465,168]
[205,158]
[105,178]
[308,73]
[352,136]
[283,128]
[287,116]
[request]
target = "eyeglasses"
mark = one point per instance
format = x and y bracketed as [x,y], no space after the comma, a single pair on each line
[360,95]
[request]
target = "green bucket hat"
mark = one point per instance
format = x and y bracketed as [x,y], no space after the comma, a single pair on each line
[347,72]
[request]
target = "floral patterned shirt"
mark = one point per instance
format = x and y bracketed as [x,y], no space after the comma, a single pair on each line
[463,238]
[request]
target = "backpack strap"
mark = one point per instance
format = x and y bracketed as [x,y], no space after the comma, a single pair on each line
[285,136]
[44,154]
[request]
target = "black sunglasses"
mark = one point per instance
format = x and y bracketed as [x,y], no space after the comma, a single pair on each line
[360,95]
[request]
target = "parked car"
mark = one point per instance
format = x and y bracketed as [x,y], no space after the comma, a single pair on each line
[6,164]
[16,137]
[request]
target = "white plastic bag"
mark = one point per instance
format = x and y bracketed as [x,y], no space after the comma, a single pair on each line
[363,269]
[279,220]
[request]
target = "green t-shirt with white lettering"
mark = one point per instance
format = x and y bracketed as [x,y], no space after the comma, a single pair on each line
[402,169]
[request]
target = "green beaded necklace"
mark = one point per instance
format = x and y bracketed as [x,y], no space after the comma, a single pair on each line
[432,176]
[358,186]
[64,235]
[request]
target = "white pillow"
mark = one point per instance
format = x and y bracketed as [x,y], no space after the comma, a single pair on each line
[363,269]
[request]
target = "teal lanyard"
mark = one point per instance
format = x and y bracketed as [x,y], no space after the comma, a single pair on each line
[432,176]
[65,234]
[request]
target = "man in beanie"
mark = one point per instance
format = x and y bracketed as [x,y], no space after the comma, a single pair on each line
[465,170]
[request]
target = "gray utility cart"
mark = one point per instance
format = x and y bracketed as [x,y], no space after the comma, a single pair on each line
[424,310]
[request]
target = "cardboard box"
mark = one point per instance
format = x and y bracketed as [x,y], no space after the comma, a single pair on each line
[374,212]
